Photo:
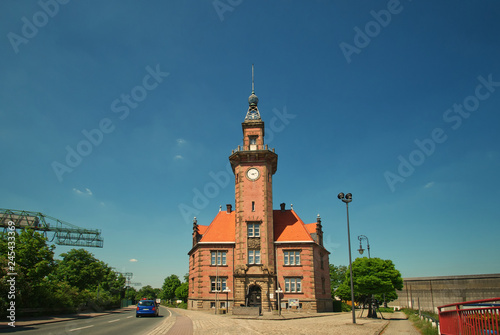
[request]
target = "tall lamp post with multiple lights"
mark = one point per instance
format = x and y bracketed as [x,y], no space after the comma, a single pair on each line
[363,237]
[347,199]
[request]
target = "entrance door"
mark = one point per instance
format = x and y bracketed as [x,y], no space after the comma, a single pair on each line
[254,296]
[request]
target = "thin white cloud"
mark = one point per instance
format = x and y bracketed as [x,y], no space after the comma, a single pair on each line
[133,260]
[429,185]
[180,141]
[176,157]
[84,192]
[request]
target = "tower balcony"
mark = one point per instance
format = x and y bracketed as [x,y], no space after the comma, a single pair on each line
[254,154]
[252,147]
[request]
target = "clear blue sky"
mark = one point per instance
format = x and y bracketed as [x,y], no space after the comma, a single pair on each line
[395,102]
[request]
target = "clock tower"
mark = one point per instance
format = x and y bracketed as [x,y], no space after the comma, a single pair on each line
[254,256]
[254,165]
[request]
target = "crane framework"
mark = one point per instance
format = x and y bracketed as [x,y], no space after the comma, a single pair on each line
[61,232]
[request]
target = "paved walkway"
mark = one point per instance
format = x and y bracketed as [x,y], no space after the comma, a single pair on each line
[183,325]
[200,323]
[399,324]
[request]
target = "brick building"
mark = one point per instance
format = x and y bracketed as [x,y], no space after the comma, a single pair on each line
[248,252]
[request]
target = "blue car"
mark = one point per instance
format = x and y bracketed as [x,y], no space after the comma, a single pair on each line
[147,307]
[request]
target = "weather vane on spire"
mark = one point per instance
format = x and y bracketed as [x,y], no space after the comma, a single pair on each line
[253,89]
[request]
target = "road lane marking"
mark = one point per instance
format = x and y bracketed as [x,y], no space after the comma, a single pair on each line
[113,320]
[72,330]
[128,317]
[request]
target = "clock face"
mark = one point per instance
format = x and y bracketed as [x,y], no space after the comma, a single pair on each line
[253,174]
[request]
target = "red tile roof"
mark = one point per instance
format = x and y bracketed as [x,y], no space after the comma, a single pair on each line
[202,229]
[220,230]
[288,227]
[311,227]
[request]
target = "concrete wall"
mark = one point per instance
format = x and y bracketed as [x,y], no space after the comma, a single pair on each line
[431,292]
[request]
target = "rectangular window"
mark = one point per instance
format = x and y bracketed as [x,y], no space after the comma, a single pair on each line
[218,257]
[253,230]
[293,285]
[291,257]
[253,256]
[221,284]
[253,142]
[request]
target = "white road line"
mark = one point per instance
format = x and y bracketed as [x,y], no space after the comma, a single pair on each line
[128,317]
[113,320]
[72,330]
[169,312]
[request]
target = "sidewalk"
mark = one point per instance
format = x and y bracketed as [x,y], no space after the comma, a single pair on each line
[204,323]
[38,320]
[399,324]
[285,315]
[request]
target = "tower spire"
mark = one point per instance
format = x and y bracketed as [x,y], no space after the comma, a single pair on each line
[253,89]
[253,100]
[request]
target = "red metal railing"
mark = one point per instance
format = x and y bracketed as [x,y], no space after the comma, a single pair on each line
[471,317]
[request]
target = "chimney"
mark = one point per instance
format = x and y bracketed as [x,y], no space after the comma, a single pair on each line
[229,208]
[282,205]
[319,230]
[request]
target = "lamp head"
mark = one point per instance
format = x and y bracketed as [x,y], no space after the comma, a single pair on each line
[340,196]
[361,250]
[348,196]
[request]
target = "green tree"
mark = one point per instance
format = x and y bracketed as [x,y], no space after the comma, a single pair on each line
[182,291]
[34,261]
[170,284]
[113,282]
[81,269]
[337,276]
[130,293]
[147,292]
[371,276]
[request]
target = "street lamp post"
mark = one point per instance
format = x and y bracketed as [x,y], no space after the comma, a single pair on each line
[363,237]
[278,292]
[227,290]
[347,199]
[371,308]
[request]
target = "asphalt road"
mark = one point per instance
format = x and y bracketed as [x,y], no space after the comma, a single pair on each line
[120,323]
